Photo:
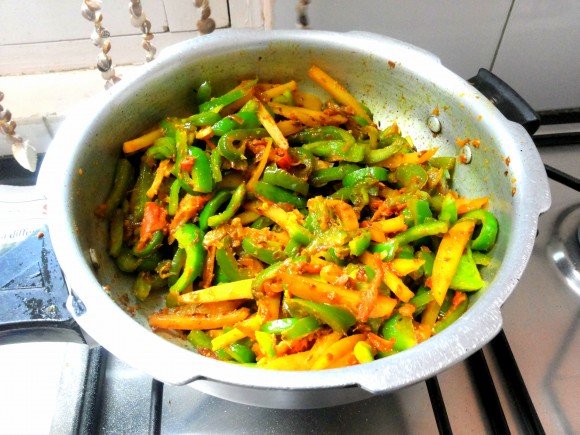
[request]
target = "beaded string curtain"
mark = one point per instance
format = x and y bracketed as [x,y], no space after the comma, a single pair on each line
[24,152]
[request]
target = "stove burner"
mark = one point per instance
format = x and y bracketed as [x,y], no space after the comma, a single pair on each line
[564,247]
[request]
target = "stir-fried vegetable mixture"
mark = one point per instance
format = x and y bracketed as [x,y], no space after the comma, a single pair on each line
[293,233]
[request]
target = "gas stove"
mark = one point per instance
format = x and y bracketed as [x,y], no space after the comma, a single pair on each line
[525,381]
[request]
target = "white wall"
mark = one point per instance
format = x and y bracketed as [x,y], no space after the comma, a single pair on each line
[538,54]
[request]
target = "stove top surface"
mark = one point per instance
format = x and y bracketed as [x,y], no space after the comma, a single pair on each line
[73,387]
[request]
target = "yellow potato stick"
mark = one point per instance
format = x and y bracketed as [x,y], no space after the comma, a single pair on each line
[408,159]
[318,291]
[270,125]
[142,142]
[339,349]
[278,90]
[240,331]
[307,100]
[308,117]
[288,127]
[197,321]
[448,256]
[263,162]
[221,292]
[338,92]
[404,266]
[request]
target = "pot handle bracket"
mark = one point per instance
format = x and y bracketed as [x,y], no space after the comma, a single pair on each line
[508,101]
[34,295]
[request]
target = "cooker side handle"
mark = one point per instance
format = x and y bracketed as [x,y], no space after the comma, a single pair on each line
[508,101]
[33,295]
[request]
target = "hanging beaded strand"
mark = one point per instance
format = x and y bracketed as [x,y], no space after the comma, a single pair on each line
[139,20]
[302,21]
[91,10]
[205,24]
[23,152]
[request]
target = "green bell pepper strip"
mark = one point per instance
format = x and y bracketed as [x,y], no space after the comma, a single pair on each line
[268,273]
[422,297]
[173,203]
[420,210]
[305,162]
[121,184]
[360,121]
[359,243]
[302,328]
[320,177]
[324,133]
[146,282]
[358,195]
[172,299]
[269,255]
[218,103]
[318,214]
[126,261]
[401,329]
[139,196]
[169,126]
[151,262]
[289,222]
[429,258]
[261,222]
[151,246]
[202,119]
[406,252]
[163,148]
[338,319]
[212,207]
[278,326]
[241,353]
[334,237]
[201,177]
[386,250]
[337,150]
[116,231]
[451,317]
[467,277]
[199,339]
[277,194]
[448,211]
[281,178]
[428,228]
[388,137]
[380,154]
[177,263]
[376,172]
[442,162]
[189,238]
[181,151]
[226,143]
[411,176]
[228,264]
[215,161]
[488,231]
[481,258]
[292,248]
[235,203]
[203,92]
[337,255]
[241,120]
